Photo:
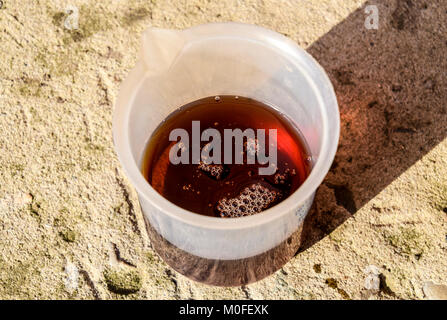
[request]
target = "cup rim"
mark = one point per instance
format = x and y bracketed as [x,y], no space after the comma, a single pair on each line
[328,147]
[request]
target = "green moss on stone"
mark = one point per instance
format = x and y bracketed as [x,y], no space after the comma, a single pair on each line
[16,169]
[135,15]
[332,283]
[123,281]
[91,20]
[31,87]
[408,241]
[94,147]
[68,235]
[150,257]
[138,12]
[63,62]
[58,18]
[15,277]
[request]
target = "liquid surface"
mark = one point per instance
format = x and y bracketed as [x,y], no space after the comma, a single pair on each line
[228,190]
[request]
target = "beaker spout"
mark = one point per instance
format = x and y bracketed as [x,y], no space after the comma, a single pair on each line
[159,48]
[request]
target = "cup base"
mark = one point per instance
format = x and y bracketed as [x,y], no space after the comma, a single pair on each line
[226,273]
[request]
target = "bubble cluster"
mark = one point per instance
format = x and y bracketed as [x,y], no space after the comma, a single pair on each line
[283,178]
[251,200]
[280,178]
[215,171]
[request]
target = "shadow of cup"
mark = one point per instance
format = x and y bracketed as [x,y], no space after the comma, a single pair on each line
[391,88]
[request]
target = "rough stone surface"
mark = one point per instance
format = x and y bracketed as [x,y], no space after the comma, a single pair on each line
[68,215]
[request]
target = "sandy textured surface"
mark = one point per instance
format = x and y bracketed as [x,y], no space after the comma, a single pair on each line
[70,223]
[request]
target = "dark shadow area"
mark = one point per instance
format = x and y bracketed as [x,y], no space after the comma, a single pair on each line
[391,86]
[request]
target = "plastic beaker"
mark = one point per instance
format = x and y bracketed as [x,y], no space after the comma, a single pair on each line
[180,66]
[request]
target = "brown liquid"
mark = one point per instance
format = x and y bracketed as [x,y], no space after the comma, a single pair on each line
[228,190]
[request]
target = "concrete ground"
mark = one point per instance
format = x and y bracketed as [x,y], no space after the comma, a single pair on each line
[70,222]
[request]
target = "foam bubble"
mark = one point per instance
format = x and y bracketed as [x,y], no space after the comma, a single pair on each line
[251,200]
[215,171]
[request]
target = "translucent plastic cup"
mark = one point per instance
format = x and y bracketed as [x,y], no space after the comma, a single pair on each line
[178,67]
